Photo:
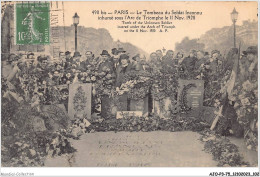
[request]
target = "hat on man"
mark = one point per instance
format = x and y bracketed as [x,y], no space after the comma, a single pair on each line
[124,56]
[121,50]
[251,49]
[114,51]
[67,52]
[104,52]
[76,54]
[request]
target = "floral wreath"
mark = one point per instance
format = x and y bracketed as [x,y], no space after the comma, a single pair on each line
[135,84]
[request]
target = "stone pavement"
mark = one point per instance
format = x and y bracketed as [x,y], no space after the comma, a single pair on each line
[136,149]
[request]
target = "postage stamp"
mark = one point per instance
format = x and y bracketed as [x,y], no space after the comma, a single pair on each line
[32,23]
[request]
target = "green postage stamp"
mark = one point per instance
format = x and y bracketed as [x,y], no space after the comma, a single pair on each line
[32,23]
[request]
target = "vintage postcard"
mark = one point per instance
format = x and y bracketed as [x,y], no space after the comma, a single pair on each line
[129,84]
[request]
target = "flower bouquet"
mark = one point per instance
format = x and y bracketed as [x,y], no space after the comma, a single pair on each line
[135,84]
[87,77]
[105,80]
[245,103]
[90,75]
[164,90]
[103,89]
[165,83]
[67,77]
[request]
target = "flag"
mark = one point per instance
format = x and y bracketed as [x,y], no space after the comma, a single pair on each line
[232,80]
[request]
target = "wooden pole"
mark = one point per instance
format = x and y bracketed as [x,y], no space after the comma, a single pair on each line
[219,114]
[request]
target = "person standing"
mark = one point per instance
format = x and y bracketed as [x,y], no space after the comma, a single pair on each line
[168,62]
[214,65]
[115,59]
[178,59]
[62,60]
[188,65]
[144,64]
[89,56]
[168,58]
[78,63]
[105,62]
[213,74]
[159,54]
[249,70]
[199,65]
[154,58]
[7,66]
[10,73]
[137,63]
[91,69]
[68,60]
[146,68]
[42,68]
[124,68]
[68,56]
[105,82]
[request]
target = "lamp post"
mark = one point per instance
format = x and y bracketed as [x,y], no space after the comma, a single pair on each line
[76,22]
[234,15]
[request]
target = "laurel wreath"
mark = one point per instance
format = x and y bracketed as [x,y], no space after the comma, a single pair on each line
[183,100]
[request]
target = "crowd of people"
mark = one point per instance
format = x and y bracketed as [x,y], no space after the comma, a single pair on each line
[29,76]
[229,80]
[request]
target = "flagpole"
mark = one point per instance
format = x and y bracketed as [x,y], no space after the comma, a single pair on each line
[231,84]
